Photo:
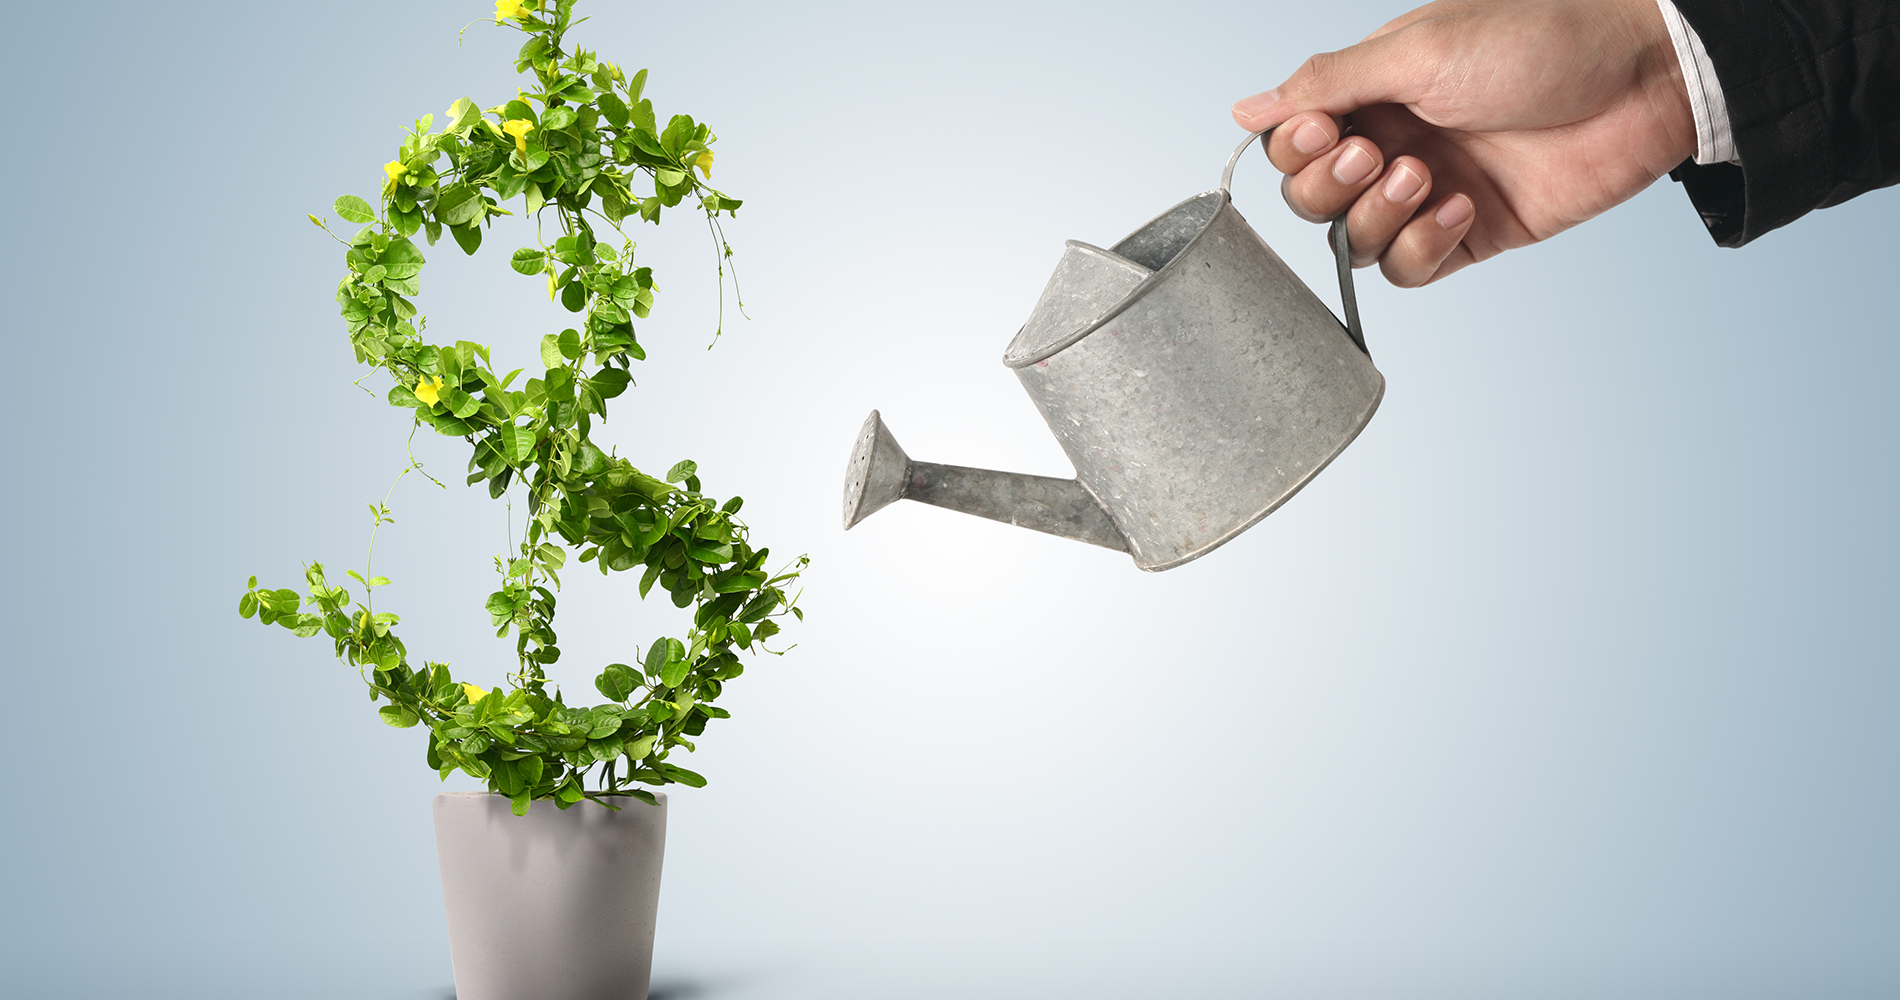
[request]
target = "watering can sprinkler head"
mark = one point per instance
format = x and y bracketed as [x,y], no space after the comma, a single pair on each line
[881,474]
[1193,380]
[878,472]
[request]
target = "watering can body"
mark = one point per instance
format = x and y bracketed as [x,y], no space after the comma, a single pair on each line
[1193,380]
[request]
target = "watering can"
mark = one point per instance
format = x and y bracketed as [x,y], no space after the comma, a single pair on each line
[1193,380]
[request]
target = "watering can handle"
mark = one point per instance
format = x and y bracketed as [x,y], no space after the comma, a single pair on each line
[1342,249]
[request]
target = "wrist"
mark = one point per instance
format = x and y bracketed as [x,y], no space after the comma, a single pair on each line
[1664,84]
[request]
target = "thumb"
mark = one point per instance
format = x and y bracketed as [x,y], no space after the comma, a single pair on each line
[1385,69]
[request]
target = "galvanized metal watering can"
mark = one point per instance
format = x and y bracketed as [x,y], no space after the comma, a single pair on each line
[1193,380]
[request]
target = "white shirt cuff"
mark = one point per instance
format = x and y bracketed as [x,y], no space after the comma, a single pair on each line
[1714,140]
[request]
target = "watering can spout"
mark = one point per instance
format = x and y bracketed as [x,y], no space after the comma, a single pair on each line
[881,474]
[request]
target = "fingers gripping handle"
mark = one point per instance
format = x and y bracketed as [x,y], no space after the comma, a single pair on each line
[1342,249]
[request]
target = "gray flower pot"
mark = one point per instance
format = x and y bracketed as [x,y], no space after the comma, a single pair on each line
[554,905]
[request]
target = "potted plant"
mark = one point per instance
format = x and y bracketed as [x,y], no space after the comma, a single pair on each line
[546,900]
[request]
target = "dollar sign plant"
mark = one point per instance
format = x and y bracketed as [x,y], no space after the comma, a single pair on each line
[580,150]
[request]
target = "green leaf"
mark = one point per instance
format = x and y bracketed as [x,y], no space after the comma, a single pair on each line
[459,205]
[673,673]
[449,424]
[551,351]
[606,749]
[461,403]
[406,222]
[501,608]
[681,471]
[740,583]
[715,554]
[354,209]
[517,443]
[688,778]
[411,285]
[612,107]
[592,461]
[610,382]
[399,716]
[608,723]
[469,238]
[403,259]
[529,261]
[532,51]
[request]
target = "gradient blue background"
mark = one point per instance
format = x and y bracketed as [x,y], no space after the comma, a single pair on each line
[1571,678]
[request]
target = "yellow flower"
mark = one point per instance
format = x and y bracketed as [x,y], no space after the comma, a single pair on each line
[505,9]
[455,111]
[474,693]
[519,128]
[394,169]
[429,392]
[704,163]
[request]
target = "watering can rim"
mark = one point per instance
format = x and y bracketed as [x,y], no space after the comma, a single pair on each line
[1026,355]
[1023,356]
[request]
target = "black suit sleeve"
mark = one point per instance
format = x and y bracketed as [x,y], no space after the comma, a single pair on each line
[1813,94]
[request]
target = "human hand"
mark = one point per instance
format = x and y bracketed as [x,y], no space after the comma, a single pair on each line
[1505,122]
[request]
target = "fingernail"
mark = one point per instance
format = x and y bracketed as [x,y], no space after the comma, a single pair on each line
[1251,107]
[1402,185]
[1353,165]
[1309,138]
[1454,212]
